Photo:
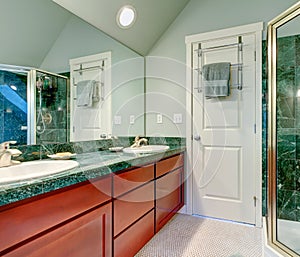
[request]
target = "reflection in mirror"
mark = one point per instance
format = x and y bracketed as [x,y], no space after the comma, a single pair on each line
[45,36]
[51,109]
[34,105]
[283,130]
[13,103]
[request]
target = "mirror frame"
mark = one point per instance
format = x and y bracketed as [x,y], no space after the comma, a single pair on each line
[273,25]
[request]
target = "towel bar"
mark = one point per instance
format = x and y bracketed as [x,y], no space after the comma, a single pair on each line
[80,70]
[213,48]
[238,65]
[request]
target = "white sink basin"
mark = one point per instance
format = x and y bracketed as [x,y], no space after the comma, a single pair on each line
[34,169]
[147,149]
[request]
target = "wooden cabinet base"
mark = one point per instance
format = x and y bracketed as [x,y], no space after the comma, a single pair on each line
[134,238]
[86,220]
[82,237]
[169,196]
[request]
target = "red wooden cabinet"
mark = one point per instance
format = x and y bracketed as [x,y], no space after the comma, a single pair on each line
[169,196]
[169,189]
[128,180]
[137,216]
[133,210]
[169,164]
[61,221]
[128,243]
[130,207]
[112,216]
[88,235]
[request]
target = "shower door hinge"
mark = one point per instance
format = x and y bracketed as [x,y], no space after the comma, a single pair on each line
[254,128]
[254,200]
[255,56]
[73,129]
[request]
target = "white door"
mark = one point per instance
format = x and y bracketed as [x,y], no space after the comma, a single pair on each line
[223,148]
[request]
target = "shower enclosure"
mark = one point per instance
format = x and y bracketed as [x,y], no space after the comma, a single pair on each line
[284,132]
[33,105]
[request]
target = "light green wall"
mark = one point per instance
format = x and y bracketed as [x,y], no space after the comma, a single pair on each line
[28,29]
[41,34]
[78,39]
[197,17]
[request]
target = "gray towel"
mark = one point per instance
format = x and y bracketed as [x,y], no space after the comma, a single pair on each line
[87,93]
[96,92]
[216,78]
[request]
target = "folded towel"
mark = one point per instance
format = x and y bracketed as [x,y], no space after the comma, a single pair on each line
[85,91]
[216,77]
[96,92]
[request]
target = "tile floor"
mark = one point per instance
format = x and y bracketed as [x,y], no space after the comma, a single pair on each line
[191,236]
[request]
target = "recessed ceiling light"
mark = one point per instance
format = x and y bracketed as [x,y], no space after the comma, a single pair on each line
[126,16]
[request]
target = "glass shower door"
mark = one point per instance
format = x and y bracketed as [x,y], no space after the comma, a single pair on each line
[13,104]
[33,106]
[51,112]
[288,134]
[284,131]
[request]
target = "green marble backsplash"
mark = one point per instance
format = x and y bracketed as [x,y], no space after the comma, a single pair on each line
[37,152]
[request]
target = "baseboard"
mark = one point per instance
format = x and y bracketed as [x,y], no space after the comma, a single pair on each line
[183,210]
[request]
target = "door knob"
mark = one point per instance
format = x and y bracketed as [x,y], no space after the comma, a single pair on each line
[197,137]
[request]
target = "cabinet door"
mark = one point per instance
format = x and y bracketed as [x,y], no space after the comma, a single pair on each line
[130,207]
[169,196]
[172,163]
[86,236]
[126,181]
[129,242]
[32,218]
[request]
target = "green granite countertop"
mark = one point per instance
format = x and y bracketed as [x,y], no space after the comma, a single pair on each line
[91,165]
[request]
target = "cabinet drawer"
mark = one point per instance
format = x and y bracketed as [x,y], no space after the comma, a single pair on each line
[88,235]
[134,238]
[169,164]
[130,207]
[169,197]
[27,220]
[126,181]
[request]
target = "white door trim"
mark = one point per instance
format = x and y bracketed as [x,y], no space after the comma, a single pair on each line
[255,28]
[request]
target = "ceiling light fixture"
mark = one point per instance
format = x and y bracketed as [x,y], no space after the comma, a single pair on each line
[126,16]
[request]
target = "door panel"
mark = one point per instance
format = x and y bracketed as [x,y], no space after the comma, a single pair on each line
[216,172]
[224,158]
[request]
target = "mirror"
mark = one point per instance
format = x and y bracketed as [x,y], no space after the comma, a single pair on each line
[283,130]
[43,35]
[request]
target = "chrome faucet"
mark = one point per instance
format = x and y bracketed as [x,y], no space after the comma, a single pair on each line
[6,153]
[138,142]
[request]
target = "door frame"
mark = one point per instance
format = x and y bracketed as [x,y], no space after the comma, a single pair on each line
[254,28]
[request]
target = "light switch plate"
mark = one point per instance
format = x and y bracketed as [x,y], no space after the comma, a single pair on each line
[131,119]
[159,118]
[117,120]
[177,118]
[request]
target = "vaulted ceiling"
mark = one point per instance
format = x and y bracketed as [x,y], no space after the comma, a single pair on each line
[153,18]
[30,28]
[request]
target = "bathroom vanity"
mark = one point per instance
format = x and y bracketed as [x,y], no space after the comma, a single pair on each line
[114,214]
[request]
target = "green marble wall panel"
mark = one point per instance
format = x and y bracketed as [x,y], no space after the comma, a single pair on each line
[288,128]
[264,128]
